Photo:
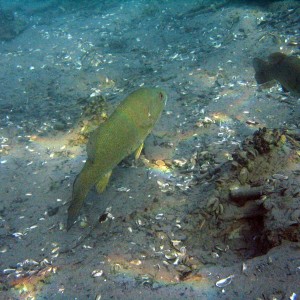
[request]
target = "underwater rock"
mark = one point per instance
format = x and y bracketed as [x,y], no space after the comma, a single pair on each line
[260,201]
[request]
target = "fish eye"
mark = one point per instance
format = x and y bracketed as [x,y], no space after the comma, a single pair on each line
[161,95]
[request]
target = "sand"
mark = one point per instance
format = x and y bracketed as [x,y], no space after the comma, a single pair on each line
[166,227]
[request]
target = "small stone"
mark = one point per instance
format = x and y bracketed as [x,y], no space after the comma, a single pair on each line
[243,176]
[295,216]
[52,211]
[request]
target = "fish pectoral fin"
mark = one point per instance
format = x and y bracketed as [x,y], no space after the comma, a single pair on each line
[103,182]
[138,151]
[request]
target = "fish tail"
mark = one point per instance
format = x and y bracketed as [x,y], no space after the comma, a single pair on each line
[82,184]
[262,71]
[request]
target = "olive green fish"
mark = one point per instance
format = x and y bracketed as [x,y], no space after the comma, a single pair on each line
[122,134]
[283,68]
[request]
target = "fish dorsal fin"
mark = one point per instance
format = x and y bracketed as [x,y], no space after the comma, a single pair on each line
[276,58]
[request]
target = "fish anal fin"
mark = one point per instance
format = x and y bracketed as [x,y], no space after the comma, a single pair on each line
[103,182]
[138,151]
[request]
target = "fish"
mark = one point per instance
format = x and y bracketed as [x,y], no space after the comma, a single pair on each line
[281,67]
[121,135]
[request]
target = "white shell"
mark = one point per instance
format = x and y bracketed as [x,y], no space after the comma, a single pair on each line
[293,296]
[224,282]
[97,273]
[244,267]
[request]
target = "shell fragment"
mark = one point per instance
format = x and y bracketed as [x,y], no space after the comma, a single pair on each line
[224,282]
